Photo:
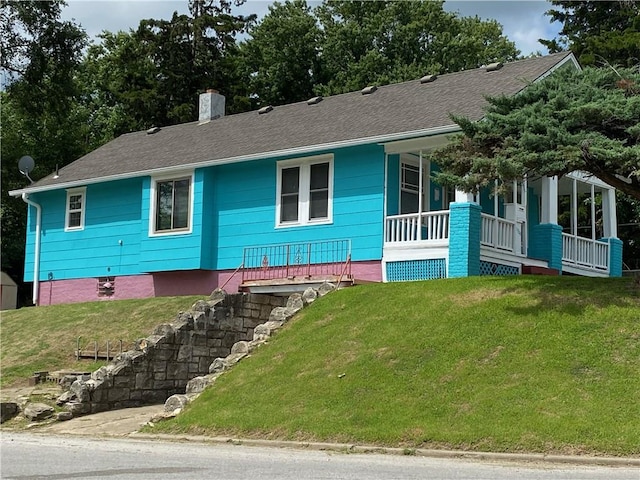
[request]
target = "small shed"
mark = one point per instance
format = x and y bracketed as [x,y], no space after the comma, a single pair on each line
[8,293]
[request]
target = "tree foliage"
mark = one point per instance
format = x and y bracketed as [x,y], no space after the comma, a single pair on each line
[281,59]
[384,42]
[41,116]
[342,46]
[572,120]
[598,32]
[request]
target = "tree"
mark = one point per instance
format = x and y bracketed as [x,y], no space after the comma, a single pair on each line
[605,34]
[572,120]
[281,57]
[598,32]
[151,76]
[120,87]
[41,116]
[383,42]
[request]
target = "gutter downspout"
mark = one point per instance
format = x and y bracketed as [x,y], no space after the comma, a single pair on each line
[36,260]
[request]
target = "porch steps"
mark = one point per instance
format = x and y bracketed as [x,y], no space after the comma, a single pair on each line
[537,270]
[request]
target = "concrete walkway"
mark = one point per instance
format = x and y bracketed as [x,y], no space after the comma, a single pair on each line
[111,423]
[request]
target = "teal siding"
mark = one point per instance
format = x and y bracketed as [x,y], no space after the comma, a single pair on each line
[234,207]
[112,215]
[209,221]
[393,185]
[160,253]
[245,197]
[533,211]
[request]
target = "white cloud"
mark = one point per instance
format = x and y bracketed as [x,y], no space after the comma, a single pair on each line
[523,22]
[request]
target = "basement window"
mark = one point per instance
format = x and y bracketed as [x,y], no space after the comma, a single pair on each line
[106,286]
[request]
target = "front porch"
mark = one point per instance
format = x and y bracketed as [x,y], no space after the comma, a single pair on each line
[547,225]
[423,239]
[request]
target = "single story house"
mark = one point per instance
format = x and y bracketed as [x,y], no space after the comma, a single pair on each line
[330,188]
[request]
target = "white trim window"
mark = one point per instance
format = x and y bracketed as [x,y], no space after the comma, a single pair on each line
[75,209]
[171,205]
[305,191]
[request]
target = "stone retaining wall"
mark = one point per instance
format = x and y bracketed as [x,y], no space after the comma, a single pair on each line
[162,364]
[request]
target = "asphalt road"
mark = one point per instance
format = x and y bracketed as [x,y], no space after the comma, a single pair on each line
[25,456]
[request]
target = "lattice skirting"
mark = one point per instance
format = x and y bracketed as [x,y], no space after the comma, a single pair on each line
[407,270]
[490,268]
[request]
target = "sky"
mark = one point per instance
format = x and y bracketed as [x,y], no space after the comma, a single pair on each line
[523,22]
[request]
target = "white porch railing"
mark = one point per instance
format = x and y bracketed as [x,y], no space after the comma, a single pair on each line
[497,233]
[585,253]
[414,227]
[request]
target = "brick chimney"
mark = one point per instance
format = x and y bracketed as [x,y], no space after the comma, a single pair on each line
[211,106]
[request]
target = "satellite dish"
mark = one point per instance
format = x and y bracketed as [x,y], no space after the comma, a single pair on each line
[25,165]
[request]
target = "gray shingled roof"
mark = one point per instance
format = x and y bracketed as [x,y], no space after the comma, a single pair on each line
[395,111]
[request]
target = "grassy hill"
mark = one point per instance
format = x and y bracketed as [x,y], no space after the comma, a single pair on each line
[543,364]
[44,338]
[540,364]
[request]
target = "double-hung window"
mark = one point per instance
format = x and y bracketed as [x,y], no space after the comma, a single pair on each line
[171,206]
[305,191]
[74,214]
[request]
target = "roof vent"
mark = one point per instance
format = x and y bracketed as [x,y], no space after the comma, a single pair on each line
[368,90]
[492,67]
[153,130]
[428,78]
[266,109]
[314,100]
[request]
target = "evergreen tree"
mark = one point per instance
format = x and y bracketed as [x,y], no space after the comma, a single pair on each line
[598,32]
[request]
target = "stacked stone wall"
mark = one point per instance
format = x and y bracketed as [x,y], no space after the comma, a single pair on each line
[162,364]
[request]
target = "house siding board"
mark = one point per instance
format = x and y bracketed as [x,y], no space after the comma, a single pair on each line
[533,211]
[112,214]
[247,217]
[180,251]
[393,185]
[209,242]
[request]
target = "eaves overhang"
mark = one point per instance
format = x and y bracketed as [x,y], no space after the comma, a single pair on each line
[379,139]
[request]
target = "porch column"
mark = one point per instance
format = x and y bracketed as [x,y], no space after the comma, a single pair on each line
[549,211]
[609,216]
[615,257]
[464,239]
[610,231]
[545,242]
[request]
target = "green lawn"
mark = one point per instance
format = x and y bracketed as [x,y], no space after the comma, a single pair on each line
[538,364]
[44,338]
[511,364]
